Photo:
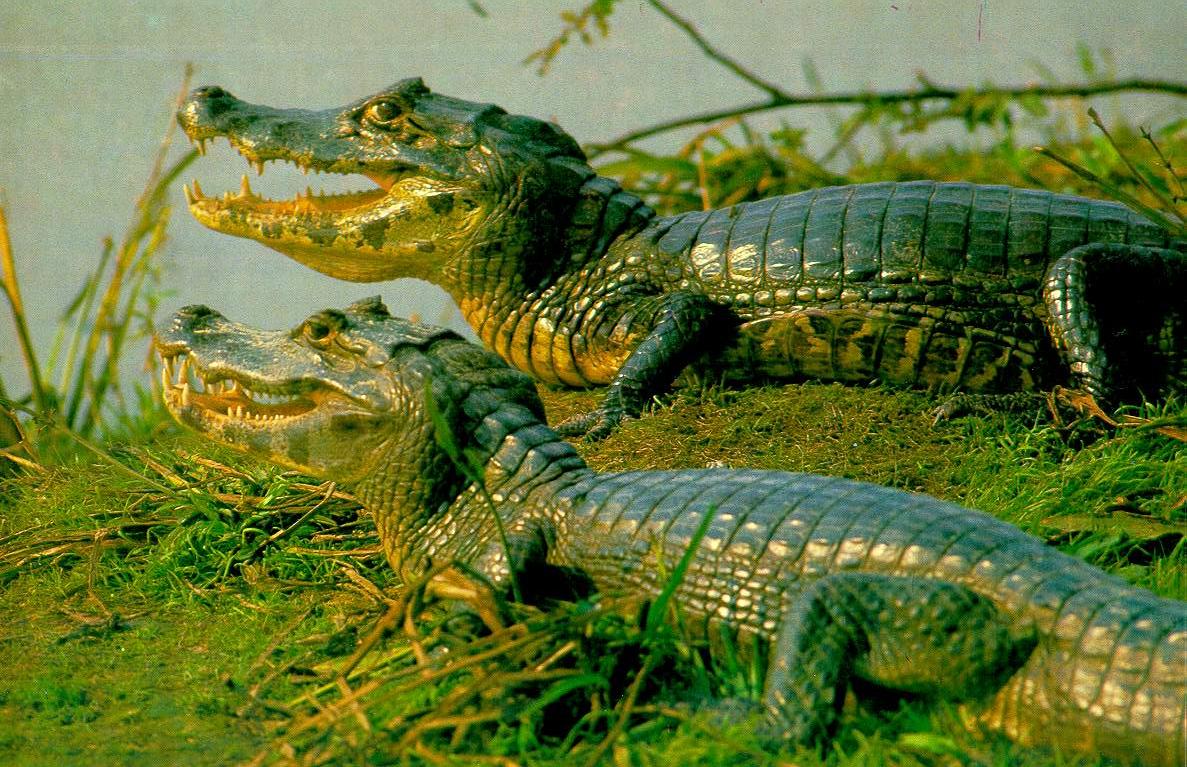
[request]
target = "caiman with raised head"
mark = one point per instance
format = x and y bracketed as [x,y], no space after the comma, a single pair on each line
[575,281]
[844,579]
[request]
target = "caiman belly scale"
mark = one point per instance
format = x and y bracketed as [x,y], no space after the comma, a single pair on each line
[575,281]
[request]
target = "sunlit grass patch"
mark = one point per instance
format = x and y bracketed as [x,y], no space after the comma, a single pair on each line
[130,610]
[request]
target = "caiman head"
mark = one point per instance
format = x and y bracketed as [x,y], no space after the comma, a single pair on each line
[355,396]
[444,175]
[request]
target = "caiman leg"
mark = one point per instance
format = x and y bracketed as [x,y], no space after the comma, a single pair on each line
[1133,279]
[910,634]
[680,330]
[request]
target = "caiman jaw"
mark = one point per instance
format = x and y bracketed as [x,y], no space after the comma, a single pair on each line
[381,233]
[199,398]
[251,209]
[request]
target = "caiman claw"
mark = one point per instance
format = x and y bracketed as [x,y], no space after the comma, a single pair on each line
[593,426]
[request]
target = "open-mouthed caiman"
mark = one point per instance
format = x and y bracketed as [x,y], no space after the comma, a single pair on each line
[845,580]
[575,281]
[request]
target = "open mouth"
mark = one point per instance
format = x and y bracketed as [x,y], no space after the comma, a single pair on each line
[226,398]
[305,204]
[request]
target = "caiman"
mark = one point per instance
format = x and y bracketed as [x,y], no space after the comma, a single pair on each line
[577,282]
[845,580]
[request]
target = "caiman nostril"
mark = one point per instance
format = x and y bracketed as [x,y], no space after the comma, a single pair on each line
[210,92]
[197,312]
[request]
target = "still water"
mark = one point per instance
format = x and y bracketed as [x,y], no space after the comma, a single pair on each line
[86,88]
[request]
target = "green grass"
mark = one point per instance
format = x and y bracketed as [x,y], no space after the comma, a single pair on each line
[163,621]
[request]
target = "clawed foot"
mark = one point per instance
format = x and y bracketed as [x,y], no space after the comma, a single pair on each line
[772,730]
[963,403]
[594,425]
[720,713]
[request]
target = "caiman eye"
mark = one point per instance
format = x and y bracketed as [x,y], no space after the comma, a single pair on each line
[323,327]
[317,331]
[382,112]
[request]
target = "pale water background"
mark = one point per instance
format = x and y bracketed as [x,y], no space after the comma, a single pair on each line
[86,87]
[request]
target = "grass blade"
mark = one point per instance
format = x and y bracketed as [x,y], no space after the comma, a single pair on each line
[12,289]
[658,608]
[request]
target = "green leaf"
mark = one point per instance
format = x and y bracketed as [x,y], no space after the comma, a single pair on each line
[639,162]
[1135,526]
[931,743]
[561,688]
[659,607]
[1087,62]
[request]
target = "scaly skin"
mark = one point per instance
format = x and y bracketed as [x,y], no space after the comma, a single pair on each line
[578,283]
[845,580]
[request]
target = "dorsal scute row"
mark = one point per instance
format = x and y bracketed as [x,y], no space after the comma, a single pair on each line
[894,233]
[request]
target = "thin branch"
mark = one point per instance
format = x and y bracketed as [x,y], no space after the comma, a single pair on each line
[712,52]
[876,98]
[1112,190]
[1158,194]
[1165,162]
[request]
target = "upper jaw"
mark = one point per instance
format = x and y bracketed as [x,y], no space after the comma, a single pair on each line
[322,141]
[200,395]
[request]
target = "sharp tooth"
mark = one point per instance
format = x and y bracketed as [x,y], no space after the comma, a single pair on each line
[201,146]
[305,169]
[165,378]
[244,187]
[197,190]
[185,394]
[239,411]
[259,165]
[184,372]
[189,195]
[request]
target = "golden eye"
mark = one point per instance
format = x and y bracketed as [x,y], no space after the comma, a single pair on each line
[315,330]
[382,112]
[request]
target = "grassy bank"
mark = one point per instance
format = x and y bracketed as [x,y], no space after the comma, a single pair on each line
[198,615]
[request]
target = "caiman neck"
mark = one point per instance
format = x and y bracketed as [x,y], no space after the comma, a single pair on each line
[420,524]
[604,213]
[519,454]
[500,273]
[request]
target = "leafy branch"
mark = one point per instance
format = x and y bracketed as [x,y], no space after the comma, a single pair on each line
[1165,212]
[574,24]
[927,92]
[974,105]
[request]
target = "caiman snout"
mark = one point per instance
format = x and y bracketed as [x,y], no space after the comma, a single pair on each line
[203,106]
[208,92]
[197,312]
[196,317]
